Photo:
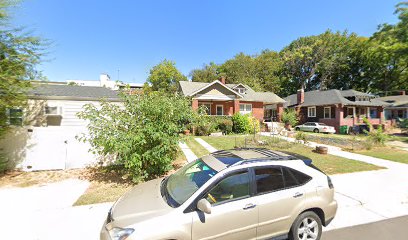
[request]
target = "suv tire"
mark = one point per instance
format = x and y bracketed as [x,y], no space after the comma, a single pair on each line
[306,223]
[316,130]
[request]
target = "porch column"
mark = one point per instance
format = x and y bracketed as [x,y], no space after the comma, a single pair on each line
[381,114]
[236,105]
[339,117]
[368,113]
[194,104]
[279,111]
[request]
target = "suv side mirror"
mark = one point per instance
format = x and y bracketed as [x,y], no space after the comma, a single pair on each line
[204,206]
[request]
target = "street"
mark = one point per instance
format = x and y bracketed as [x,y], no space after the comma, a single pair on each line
[394,228]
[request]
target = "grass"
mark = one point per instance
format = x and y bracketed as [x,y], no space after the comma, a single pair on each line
[328,163]
[392,154]
[197,148]
[99,192]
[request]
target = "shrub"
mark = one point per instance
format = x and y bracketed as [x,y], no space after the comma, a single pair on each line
[3,164]
[254,125]
[225,125]
[376,136]
[301,136]
[289,116]
[241,123]
[143,134]
[403,124]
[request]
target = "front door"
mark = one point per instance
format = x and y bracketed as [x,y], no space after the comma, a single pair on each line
[234,215]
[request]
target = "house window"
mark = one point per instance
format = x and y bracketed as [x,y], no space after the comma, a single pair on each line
[245,108]
[240,90]
[350,111]
[311,111]
[15,116]
[327,112]
[373,113]
[220,110]
[206,107]
[52,110]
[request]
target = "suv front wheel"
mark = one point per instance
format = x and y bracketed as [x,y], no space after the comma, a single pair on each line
[306,226]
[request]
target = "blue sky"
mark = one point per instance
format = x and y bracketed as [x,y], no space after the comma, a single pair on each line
[94,36]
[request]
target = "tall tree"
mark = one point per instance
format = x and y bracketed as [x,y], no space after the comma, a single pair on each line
[268,68]
[165,76]
[388,54]
[208,73]
[19,54]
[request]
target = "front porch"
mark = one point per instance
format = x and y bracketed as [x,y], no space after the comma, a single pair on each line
[262,111]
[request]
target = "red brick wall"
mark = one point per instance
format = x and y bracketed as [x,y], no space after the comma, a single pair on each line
[257,109]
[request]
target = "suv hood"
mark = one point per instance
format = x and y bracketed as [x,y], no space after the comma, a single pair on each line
[142,202]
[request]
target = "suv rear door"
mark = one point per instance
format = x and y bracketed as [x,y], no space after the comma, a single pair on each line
[279,197]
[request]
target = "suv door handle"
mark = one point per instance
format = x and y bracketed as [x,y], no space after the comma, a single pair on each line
[298,194]
[249,206]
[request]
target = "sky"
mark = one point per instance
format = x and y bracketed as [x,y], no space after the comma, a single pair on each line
[126,38]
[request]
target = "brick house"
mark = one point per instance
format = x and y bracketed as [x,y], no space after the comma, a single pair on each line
[398,106]
[338,107]
[223,99]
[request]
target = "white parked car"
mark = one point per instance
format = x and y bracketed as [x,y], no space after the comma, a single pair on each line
[315,127]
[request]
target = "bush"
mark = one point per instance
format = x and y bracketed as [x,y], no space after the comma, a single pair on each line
[301,136]
[254,125]
[376,136]
[289,116]
[143,134]
[403,124]
[225,125]
[241,123]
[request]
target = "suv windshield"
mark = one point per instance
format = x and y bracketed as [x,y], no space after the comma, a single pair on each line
[182,184]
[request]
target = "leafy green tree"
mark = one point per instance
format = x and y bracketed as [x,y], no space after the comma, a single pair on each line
[165,76]
[208,73]
[268,68]
[19,55]
[388,54]
[143,134]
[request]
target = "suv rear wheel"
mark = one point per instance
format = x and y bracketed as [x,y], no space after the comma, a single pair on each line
[306,226]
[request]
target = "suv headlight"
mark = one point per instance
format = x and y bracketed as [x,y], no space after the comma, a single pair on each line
[120,233]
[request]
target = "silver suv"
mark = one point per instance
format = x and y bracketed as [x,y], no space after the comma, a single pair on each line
[234,194]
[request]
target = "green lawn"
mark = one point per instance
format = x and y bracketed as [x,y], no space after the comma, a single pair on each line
[328,163]
[197,149]
[392,154]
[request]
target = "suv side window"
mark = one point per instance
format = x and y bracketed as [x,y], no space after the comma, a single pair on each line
[294,178]
[268,179]
[232,187]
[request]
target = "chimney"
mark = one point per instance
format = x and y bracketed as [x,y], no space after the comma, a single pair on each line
[300,96]
[222,79]
[402,92]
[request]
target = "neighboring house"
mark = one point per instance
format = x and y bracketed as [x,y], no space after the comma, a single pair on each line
[105,81]
[398,107]
[337,108]
[223,99]
[46,137]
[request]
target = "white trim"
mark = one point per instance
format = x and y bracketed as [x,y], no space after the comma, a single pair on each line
[209,104]
[216,110]
[245,105]
[324,113]
[354,111]
[214,97]
[308,111]
[209,85]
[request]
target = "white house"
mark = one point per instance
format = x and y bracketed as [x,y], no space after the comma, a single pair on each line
[46,137]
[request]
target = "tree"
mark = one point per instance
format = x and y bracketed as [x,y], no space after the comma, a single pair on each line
[388,54]
[143,134]
[268,68]
[329,60]
[165,76]
[19,55]
[208,73]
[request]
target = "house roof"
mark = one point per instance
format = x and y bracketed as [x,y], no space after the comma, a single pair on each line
[72,92]
[354,93]
[329,97]
[190,88]
[396,101]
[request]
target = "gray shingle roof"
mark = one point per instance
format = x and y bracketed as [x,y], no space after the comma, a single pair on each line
[396,101]
[354,93]
[188,88]
[50,91]
[330,97]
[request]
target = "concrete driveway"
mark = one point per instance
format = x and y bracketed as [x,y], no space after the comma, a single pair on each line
[46,212]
